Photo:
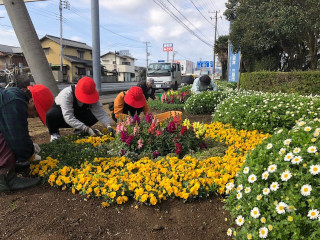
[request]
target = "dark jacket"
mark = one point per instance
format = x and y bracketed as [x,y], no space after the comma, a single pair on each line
[14,123]
[147,92]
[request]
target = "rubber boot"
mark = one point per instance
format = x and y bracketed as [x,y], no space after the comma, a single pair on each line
[16,183]
[3,184]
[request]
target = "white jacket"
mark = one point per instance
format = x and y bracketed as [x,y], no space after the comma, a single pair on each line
[65,101]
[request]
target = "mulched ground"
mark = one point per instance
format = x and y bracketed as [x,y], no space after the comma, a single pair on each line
[44,212]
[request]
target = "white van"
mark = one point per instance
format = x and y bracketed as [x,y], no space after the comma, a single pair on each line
[166,75]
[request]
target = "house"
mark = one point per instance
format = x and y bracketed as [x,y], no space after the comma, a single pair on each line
[10,57]
[77,57]
[122,64]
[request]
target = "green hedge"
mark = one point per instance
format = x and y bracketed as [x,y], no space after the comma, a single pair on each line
[303,83]
[158,105]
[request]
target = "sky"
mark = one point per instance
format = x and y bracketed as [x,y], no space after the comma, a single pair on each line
[128,24]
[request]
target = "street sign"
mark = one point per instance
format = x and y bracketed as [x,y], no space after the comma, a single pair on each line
[161,61]
[234,65]
[204,64]
[1,1]
[168,47]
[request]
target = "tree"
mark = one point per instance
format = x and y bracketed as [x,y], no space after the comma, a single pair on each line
[286,31]
[221,48]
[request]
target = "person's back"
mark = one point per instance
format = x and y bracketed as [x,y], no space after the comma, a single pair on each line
[203,83]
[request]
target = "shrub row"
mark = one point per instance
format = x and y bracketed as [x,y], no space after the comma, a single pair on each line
[303,83]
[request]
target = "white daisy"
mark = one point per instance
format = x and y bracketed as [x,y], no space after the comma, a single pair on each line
[265,175]
[269,146]
[302,123]
[229,186]
[239,195]
[291,208]
[312,149]
[263,232]
[239,188]
[229,232]
[266,191]
[239,220]
[296,150]
[306,190]
[274,186]
[296,160]
[286,175]
[314,169]
[255,213]
[252,178]
[272,168]
[281,208]
[282,151]
[287,142]
[317,130]
[313,214]
[259,197]
[247,190]
[288,156]
[246,170]
[307,129]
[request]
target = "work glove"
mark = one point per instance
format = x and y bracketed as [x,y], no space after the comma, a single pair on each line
[37,149]
[89,131]
[97,132]
[110,131]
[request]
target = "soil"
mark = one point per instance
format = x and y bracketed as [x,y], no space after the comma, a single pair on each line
[44,212]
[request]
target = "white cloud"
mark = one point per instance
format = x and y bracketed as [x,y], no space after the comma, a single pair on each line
[77,38]
[8,37]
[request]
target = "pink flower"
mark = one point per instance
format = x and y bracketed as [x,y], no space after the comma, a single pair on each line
[171,127]
[136,130]
[178,148]
[158,133]
[124,136]
[129,140]
[122,152]
[149,117]
[128,121]
[136,119]
[156,154]
[120,127]
[140,143]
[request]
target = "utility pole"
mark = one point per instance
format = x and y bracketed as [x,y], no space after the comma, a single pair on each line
[147,54]
[30,44]
[173,53]
[63,4]
[215,38]
[96,64]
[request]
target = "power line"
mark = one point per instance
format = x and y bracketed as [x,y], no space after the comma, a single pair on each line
[200,12]
[164,7]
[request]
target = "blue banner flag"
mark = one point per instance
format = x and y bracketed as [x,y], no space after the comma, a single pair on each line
[234,65]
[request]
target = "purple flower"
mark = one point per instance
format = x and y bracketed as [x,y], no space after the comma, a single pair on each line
[122,152]
[129,140]
[124,136]
[136,119]
[149,117]
[156,154]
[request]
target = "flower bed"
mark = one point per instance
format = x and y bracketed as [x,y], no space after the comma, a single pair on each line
[176,97]
[116,179]
[276,194]
[265,111]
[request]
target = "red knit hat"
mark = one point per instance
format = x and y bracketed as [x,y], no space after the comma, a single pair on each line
[43,100]
[135,97]
[86,91]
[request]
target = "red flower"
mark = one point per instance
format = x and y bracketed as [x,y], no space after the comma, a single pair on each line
[158,133]
[178,148]
[171,127]
[184,129]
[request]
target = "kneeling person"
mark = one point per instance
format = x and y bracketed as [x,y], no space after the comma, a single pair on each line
[77,107]
[203,83]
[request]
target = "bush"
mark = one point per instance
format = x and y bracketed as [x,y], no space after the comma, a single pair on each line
[303,83]
[224,85]
[265,111]
[205,102]
[158,105]
[276,194]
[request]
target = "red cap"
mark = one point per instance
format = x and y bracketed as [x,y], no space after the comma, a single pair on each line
[43,100]
[135,97]
[86,91]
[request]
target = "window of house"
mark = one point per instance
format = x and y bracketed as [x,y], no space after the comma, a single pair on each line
[46,51]
[126,63]
[81,71]
[80,54]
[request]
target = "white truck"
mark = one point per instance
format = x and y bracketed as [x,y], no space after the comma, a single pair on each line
[187,67]
[166,75]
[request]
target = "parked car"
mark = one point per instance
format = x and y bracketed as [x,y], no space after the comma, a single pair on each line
[187,80]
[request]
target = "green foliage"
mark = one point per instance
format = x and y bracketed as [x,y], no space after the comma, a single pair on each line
[225,86]
[269,191]
[158,105]
[70,153]
[265,111]
[185,89]
[303,83]
[205,102]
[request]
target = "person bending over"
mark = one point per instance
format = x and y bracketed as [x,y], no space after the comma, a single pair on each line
[16,146]
[131,102]
[77,107]
[148,90]
[203,83]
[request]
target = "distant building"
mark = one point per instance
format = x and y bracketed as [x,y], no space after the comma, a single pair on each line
[77,57]
[11,57]
[124,65]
